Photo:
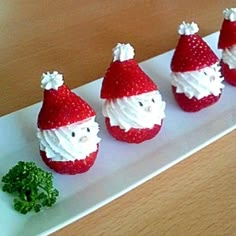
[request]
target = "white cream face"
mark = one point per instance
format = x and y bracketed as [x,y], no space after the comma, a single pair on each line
[229,56]
[140,111]
[199,83]
[72,142]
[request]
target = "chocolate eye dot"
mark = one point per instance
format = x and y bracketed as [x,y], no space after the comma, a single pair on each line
[88,129]
[140,104]
[153,100]
[73,134]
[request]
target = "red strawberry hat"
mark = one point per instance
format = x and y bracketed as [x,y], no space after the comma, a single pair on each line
[227,36]
[124,77]
[60,107]
[192,52]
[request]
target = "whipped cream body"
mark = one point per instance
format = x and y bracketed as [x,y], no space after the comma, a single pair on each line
[140,111]
[229,57]
[199,83]
[69,143]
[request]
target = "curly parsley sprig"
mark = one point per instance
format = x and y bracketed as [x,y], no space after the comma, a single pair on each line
[32,187]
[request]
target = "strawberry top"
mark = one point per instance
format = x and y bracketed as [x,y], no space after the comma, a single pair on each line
[62,107]
[227,36]
[192,53]
[125,79]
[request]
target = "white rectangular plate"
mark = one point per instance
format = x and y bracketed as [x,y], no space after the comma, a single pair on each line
[120,167]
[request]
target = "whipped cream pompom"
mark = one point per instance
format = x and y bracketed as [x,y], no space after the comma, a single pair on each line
[51,80]
[188,28]
[230,14]
[123,52]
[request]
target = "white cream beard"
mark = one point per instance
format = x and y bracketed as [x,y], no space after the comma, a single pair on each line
[69,143]
[229,57]
[140,111]
[200,83]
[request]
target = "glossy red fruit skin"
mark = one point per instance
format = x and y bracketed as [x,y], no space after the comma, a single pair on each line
[193,104]
[192,53]
[70,167]
[62,107]
[125,79]
[228,74]
[133,135]
[227,37]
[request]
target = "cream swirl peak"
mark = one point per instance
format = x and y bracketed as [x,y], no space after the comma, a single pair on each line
[140,111]
[188,28]
[230,14]
[123,52]
[199,83]
[71,142]
[51,80]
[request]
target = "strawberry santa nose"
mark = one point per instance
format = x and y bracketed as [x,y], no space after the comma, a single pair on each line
[83,139]
[148,109]
[212,78]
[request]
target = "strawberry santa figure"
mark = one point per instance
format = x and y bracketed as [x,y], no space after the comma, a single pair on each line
[227,42]
[196,79]
[67,130]
[133,107]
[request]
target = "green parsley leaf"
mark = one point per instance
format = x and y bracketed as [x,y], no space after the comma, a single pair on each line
[31,186]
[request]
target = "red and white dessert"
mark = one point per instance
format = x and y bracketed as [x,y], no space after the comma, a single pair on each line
[67,130]
[133,107]
[196,79]
[227,42]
